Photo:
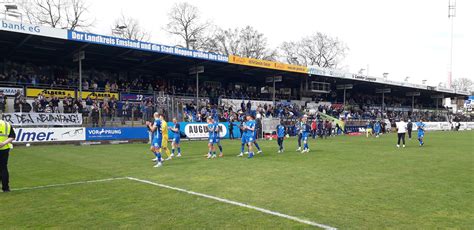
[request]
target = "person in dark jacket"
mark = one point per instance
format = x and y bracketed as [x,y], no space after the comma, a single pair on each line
[409,128]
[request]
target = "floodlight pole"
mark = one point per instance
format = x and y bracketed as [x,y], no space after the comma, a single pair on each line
[78,57]
[451,15]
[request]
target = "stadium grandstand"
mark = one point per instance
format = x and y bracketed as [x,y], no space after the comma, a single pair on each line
[124,81]
[104,132]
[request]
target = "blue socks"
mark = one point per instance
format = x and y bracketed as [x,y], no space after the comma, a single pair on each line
[220,148]
[179,150]
[250,155]
[256,145]
[306,146]
[242,148]
[158,156]
[172,150]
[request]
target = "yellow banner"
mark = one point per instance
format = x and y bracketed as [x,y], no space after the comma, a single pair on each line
[267,64]
[99,95]
[60,93]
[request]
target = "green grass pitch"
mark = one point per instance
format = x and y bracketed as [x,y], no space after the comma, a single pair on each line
[344,182]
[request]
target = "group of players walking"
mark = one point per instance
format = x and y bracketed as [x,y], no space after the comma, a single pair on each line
[159,138]
[159,141]
[375,128]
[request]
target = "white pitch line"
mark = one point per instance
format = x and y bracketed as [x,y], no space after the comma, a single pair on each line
[71,183]
[236,203]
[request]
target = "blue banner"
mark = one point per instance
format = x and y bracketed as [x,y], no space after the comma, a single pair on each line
[119,133]
[187,130]
[134,44]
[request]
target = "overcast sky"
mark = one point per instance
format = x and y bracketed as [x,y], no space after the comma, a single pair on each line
[401,37]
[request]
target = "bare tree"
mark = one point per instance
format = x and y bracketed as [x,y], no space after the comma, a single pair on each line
[463,84]
[129,28]
[75,11]
[318,49]
[253,44]
[222,41]
[185,22]
[245,42]
[290,52]
[64,14]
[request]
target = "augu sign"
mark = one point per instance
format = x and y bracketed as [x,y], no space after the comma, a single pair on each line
[200,130]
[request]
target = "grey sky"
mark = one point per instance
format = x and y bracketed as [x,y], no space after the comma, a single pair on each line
[401,37]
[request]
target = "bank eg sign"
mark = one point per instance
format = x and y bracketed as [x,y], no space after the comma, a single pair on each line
[20,27]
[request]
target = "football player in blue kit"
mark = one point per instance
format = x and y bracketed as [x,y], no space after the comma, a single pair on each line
[217,137]
[281,132]
[377,128]
[243,138]
[175,144]
[259,150]
[248,137]
[250,133]
[212,139]
[305,133]
[155,129]
[421,132]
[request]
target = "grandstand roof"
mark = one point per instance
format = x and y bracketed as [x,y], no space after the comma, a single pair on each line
[30,43]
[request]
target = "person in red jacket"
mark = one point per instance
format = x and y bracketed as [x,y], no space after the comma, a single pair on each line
[313,128]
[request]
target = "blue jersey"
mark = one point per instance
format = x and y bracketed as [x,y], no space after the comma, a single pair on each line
[210,128]
[377,127]
[302,127]
[176,126]
[216,131]
[421,127]
[177,133]
[305,129]
[369,125]
[250,124]
[157,134]
[281,131]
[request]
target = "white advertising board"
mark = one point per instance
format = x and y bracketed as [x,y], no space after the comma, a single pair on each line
[31,135]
